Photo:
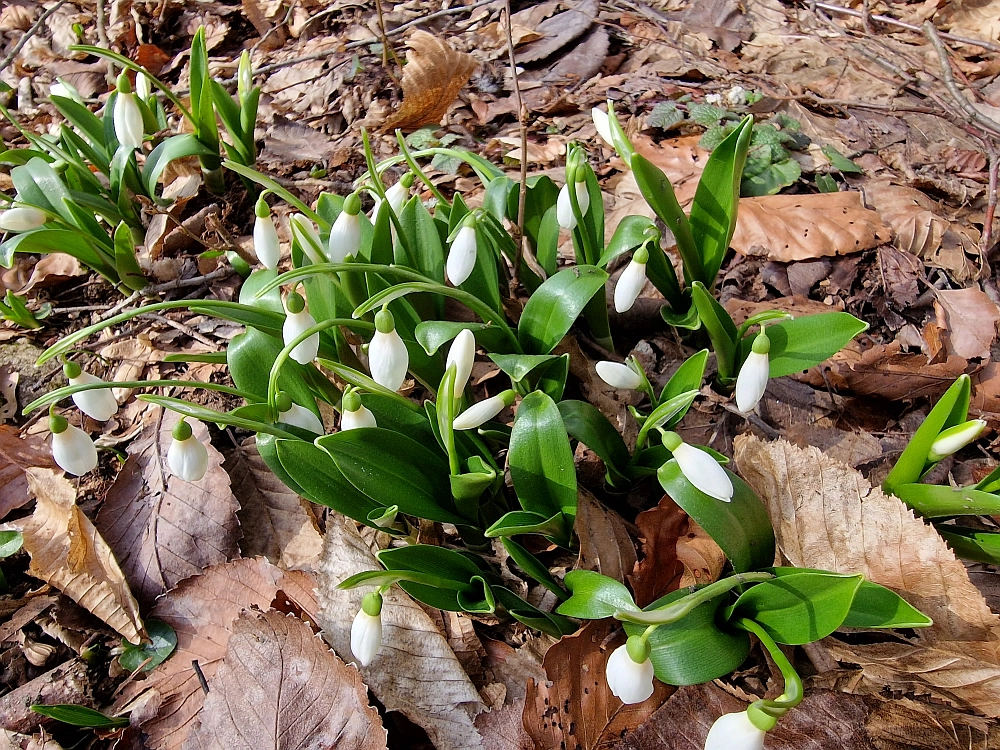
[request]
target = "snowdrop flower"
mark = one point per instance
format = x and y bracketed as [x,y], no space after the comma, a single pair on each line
[355,415]
[265,236]
[618,375]
[398,193]
[754,373]
[699,468]
[630,672]
[22,219]
[603,125]
[305,232]
[484,411]
[735,732]
[127,117]
[65,90]
[366,631]
[297,322]
[387,355]
[631,281]
[345,236]
[72,448]
[462,256]
[564,206]
[187,456]
[955,438]
[99,404]
[714,99]
[462,354]
[291,413]
[143,88]
[244,78]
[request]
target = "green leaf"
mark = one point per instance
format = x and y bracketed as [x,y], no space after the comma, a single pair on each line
[741,527]
[80,716]
[771,180]
[688,377]
[659,194]
[799,608]
[433,334]
[935,501]
[517,522]
[547,622]
[876,606]
[664,116]
[163,641]
[632,232]
[706,114]
[720,327]
[555,306]
[533,567]
[840,162]
[799,344]
[595,596]
[171,149]
[463,570]
[826,184]
[128,267]
[425,240]
[89,124]
[10,543]
[587,424]
[972,544]
[664,413]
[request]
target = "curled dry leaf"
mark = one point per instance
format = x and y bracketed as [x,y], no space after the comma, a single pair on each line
[415,671]
[161,528]
[659,571]
[432,78]
[827,515]
[68,553]
[605,543]
[281,688]
[17,455]
[971,320]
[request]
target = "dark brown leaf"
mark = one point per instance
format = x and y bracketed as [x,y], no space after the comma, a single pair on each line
[16,455]
[659,571]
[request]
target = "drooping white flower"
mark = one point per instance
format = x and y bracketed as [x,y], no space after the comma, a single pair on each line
[355,414]
[291,413]
[752,379]
[345,235]
[388,359]
[462,256]
[305,232]
[366,630]
[734,732]
[699,468]
[631,681]
[564,206]
[127,117]
[603,125]
[484,411]
[462,354]
[66,90]
[398,193]
[72,448]
[99,404]
[265,236]
[618,375]
[955,438]
[187,456]
[297,322]
[631,281]
[22,219]
[143,87]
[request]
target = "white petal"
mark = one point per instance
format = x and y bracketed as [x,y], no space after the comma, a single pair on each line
[462,256]
[955,438]
[618,375]
[345,237]
[479,413]
[704,472]
[309,239]
[603,124]
[374,214]
[265,242]
[752,381]
[128,121]
[299,416]
[143,88]
[98,404]
[463,355]
[564,207]
[74,451]
[734,732]
[629,681]
[188,459]
[630,283]
[353,420]
[21,219]
[388,360]
[366,637]
[396,195]
[295,325]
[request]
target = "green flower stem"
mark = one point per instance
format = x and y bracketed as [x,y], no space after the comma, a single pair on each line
[660,415]
[68,390]
[220,418]
[646,387]
[484,169]
[446,409]
[379,188]
[274,187]
[385,578]
[590,256]
[360,380]
[415,168]
[794,692]
[317,269]
[681,608]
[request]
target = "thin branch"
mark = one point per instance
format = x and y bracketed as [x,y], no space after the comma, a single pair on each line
[30,33]
[522,118]
[387,49]
[948,76]
[991,205]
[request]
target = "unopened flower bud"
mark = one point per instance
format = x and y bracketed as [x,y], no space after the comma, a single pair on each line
[72,448]
[127,117]
[463,355]
[99,404]
[955,438]
[388,359]
[398,193]
[305,232]
[297,322]
[143,88]
[345,235]
[564,206]
[484,411]
[630,672]
[699,468]
[631,281]
[22,219]
[618,375]
[462,256]
[265,236]
[355,414]
[752,379]
[298,416]
[187,456]
[366,631]
[735,731]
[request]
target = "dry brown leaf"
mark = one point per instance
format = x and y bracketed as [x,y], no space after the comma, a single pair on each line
[701,557]
[826,515]
[971,320]
[432,78]
[16,455]
[415,672]
[281,688]
[576,708]
[659,571]
[161,528]
[559,30]
[605,543]
[975,18]
[502,728]
[202,610]
[800,227]
[276,523]
[68,553]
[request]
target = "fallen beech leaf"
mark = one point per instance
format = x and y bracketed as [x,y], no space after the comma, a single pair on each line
[904,724]
[432,78]
[281,688]
[659,571]
[559,30]
[276,523]
[16,455]
[68,553]
[826,515]
[701,557]
[605,544]
[971,18]
[161,528]
[799,227]
[202,610]
[415,671]
[971,320]
[576,708]
[502,728]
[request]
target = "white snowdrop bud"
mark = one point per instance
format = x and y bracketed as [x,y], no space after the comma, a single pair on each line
[631,281]
[603,125]
[618,375]
[398,193]
[127,117]
[143,88]
[22,219]
[298,416]
[65,90]
[564,206]
[484,411]
[355,414]
[752,380]
[630,672]
[345,236]
[735,732]
[265,236]
[955,438]
[297,322]
[366,630]
[187,457]
[462,256]
[699,468]
[463,355]
[388,359]
[72,448]
[99,404]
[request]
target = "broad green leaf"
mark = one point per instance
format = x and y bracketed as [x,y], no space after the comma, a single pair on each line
[80,716]
[547,622]
[85,121]
[250,357]
[320,480]
[594,596]
[533,567]
[425,240]
[163,641]
[171,149]
[972,544]
[555,306]
[547,250]
[38,184]
[465,571]
[45,240]
[518,522]
[688,377]
[659,194]
[433,334]
[587,424]
[840,162]
[10,543]
[876,606]
[772,179]
[632,232]
[128,267]
[720,327]
[804,342]
[936,501]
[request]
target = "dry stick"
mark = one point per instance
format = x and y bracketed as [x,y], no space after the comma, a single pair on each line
[991,205]
[522,116]
[30,33]
[987,123]
[386,46]
[102,39]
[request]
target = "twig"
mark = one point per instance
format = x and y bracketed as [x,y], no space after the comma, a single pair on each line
[167,286]
[120,306]
[102,38]
[185,329]
[30,33]
[201,675]
[387,49]
[991,205]
[987,123]
[522,117]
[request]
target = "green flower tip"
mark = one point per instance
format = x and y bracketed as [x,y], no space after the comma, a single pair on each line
[372,604]
[72,370]
[57,424]
[469,220]
[638,648]
[407,180]
[181,431]
[760,719]
[283,401]
[761,344]
[641,255]
[352,204]
[123,84]
[261,209]
[671,440]
[295,304]
[351,401]
[384,322]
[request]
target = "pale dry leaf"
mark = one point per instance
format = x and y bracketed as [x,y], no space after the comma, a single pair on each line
[276,523]
[202,610]
[68,553]
[974,18]
[162,528]
[281,688]
[17,455]
[801,227]
[559,30]
[701,557]
[432,78]
[502,728]
[605,542]
[415,671]
[970,318]
[827,516]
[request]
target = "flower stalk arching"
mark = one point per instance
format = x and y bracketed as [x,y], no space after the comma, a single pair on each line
[684,606]
[590,254]
[59,394]
[285,354]
[793,692]
[415,168]
[379,188]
